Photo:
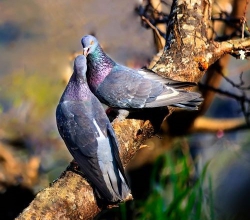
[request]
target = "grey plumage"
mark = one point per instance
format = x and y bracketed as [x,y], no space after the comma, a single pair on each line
[90,138]
[122,87]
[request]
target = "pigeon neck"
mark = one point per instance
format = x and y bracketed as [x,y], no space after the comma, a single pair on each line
[76,90]
[102,58]
[99,66]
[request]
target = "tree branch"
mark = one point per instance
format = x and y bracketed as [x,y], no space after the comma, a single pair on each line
[71,196]
[65,199]
[186,57]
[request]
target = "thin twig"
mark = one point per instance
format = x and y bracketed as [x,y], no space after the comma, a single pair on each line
[244,20]
[153,27]
[239,98]
[238,86]
[242,99]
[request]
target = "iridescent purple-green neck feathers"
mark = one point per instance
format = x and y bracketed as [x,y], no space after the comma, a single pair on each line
[99,66]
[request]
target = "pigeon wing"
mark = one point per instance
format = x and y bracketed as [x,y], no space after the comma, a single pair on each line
[116,150]
[79,134]
[117,177]
[125,88]
[149,74]
[177,98]
[106,127]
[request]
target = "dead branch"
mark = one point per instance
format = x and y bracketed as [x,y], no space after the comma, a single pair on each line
[216,71]
[187,56]
[240,98]
[232,47]
[71,197]
[156,33]
[159,40]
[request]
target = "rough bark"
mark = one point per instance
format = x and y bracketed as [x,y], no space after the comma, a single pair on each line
[187,55]
[71,196]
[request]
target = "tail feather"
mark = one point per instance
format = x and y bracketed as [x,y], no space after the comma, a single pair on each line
[190,105]
[180,98]
[115,182]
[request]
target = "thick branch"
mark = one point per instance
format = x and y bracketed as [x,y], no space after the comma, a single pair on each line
[231,47]
[188,43]
[65,199]
[186,57]
[216,71]
[71,197]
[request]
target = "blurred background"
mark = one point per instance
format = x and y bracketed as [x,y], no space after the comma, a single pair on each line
[207,173]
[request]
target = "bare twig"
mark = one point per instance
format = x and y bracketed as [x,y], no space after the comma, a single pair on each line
[242,99]
[236,85]
[239,98]
[154,28]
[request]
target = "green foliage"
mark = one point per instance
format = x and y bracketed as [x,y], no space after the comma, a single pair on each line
[175,196]
[40,91]
[27,104]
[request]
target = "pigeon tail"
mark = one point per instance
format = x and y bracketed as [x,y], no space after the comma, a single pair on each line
[190,105]
[180,98]
[115,182]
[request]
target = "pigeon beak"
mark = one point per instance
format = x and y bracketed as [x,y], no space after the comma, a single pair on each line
[85,51]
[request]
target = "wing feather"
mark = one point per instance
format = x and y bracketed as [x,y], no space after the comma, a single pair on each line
[126,88]
[79,134]
[174,97]
[149,74]
[130,90]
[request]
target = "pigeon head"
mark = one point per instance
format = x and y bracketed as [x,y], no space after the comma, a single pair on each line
[89,44]
[80,66]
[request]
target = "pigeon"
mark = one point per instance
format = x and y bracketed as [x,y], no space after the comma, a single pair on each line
[121,87]
[90,138]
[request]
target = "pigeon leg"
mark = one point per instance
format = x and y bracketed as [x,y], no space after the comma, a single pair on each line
[122,114]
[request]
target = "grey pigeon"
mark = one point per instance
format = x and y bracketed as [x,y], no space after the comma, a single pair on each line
[90,138]
[119,86]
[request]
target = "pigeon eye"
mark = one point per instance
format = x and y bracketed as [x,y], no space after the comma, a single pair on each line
[92,42]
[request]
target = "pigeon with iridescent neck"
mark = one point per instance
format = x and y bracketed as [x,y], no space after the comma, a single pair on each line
[90,138]
[121,87]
